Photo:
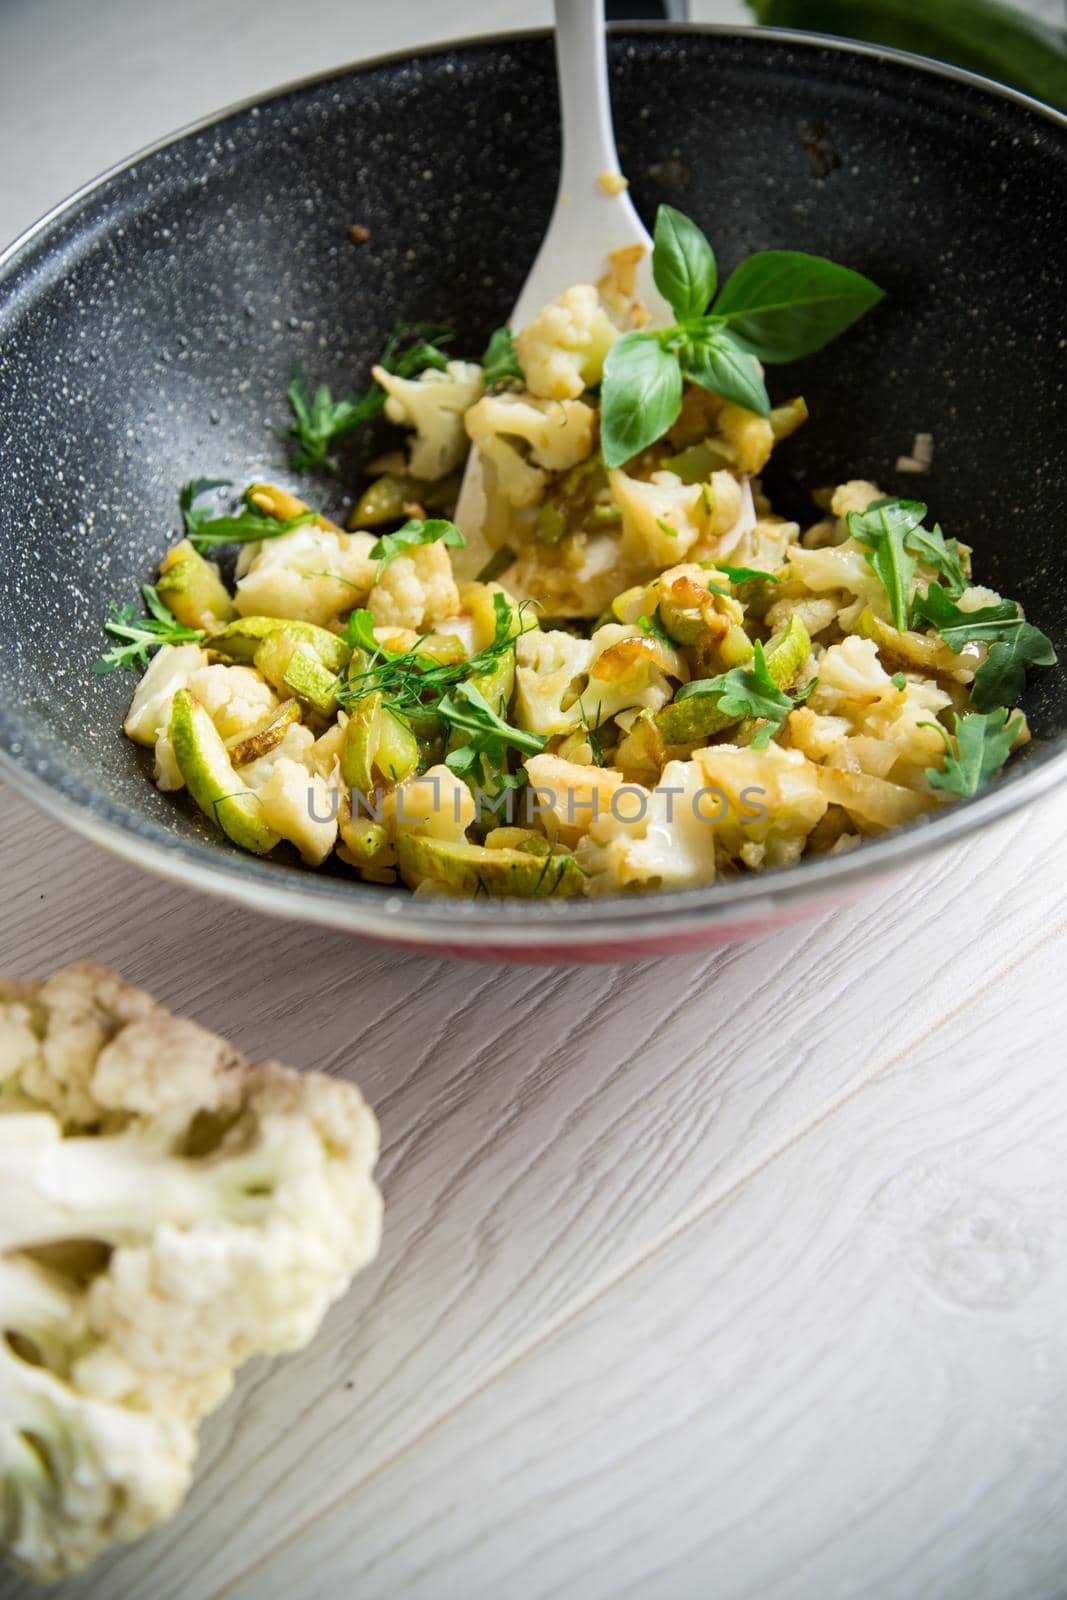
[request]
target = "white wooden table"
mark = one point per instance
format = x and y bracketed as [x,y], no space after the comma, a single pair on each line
[738,1275]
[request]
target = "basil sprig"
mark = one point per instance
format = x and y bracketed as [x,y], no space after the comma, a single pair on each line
[777,306]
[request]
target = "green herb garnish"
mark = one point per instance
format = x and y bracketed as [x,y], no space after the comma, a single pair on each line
[500,362]
[411,535]
[1014,644]
[983,744]
[202,529]
[744,574]
[139,635]
[320,421]
[653,627]
[777,306]
[750,692]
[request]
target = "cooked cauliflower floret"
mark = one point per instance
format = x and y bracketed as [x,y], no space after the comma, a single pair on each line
[235,698]
[656,838]
[567,796]
[433,404]
[299,800]
[851,672]
[416,590]
[762,803]
[562,350]
[168,671]
[749,435]
[551,671]
[437,805]
[839,567]
[310,575]
[558,432]
[660,518]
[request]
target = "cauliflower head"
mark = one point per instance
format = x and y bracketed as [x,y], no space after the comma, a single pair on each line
[651,838]
[433,404]
[562,350]
[169,1210]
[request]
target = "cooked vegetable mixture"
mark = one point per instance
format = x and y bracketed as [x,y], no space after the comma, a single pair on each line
[624,671]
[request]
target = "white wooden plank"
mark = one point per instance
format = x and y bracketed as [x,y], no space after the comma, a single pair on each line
[539,1126]
[846,1379]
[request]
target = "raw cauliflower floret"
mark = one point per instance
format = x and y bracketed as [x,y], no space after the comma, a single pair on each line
[551,670]
[416,590]
[310,575]
[168,671]
[435,805]
[196,1210]
[562,350]
[299,801]
[656,838]
[568,796]
[433,404]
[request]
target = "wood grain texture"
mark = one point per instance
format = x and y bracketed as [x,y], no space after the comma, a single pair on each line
[554,1140]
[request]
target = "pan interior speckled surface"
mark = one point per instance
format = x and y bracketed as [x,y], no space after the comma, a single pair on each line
[147,332]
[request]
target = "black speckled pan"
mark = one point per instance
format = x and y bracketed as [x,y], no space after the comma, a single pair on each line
[148,326]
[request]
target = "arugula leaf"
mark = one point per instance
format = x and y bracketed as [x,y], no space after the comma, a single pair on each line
[249,524]
[500,362]
[782,304]
[720,363]
[640,397]
[319,421]
[941,555]
[899,682]
[884,529]
[983,744]
[412,534]
[683,264]
[745,574]
[749,692]
[192,514]
[139,635]
[1014,644]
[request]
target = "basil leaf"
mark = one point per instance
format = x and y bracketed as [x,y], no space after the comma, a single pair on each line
[717,362]
[640,397]
[683,264]
[884,528]
[783,304]
[413,534]
[983,744]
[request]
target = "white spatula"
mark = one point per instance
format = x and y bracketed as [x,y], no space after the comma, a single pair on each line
[588,221]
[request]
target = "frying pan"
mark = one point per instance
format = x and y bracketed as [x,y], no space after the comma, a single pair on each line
[147,329]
